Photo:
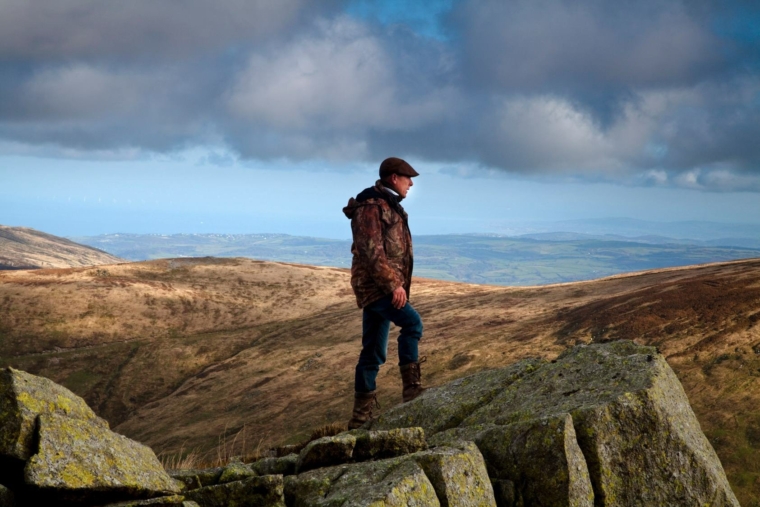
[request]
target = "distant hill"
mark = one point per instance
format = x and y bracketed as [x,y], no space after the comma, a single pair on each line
[24,248]
[702,232]
[188,353]
[535,259]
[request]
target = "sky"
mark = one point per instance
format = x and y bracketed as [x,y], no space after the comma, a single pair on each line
[250,116]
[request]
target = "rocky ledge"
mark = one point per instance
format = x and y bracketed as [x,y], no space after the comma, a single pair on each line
[603,425]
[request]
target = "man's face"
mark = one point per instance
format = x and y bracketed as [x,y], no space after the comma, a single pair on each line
[401,184]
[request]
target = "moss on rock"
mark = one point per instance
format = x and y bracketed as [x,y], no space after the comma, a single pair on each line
[194,479]
[386,483]
[326,451]
[387,444]
[542,457]
[449,476]
[263,491]
[163,501]
[80,459]
[641,440]
[285,465]
[236,471]
[22,398]
[458,474]
[638,437]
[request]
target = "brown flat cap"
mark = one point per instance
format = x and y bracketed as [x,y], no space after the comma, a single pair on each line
[395,165]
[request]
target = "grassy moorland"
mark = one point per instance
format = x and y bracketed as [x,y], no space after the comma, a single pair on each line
[178,353]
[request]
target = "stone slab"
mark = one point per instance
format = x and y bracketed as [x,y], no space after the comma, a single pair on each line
[82,460]
[262,491]
[23,397]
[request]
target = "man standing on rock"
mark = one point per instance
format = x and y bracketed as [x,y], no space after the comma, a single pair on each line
[381,275]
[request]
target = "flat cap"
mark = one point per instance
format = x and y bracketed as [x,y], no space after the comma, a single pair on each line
[395,165]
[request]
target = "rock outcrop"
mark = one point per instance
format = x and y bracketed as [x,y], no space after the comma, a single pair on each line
[54,448]
[360,445]
[264,491]
[77,459]
[356,468]
[23,397]
[447,476]
[603,425]
[164,501]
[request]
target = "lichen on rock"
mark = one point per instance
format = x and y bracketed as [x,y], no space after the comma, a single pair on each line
[285,465]
[80,459]
[386,483]
[387,444]
[638,433]
[22,398]
[236,471]
[194,479]
[448,405]
[542,456]
[163,501]
[618,403]
[262,491]
[326,451]
[451,476]
[458,475]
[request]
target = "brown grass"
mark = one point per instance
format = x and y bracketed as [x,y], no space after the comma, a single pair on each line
[183,461]
[177,352]
[24,248]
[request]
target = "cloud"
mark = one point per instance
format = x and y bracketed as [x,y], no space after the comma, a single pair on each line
[557,45]
[62,30]
[656,92]
[322,94]
[98,107]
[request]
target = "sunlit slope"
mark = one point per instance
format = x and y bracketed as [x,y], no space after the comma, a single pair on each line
[177,353]
[25,248]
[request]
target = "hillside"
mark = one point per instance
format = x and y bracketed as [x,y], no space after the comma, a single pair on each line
[181,353]
[24,248]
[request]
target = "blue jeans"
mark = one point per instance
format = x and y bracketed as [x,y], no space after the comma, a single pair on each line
[376,322]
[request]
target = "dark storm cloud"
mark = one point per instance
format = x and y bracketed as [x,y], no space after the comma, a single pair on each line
[115,31]
[598,54]
[606,89]
[651,92]
[597,45]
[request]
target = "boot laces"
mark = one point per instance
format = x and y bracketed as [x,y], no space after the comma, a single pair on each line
[418,371]
[373,404]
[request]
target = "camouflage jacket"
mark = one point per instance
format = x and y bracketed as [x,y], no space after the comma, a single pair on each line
[382,248]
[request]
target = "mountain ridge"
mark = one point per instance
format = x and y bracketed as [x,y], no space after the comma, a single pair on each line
[26,248]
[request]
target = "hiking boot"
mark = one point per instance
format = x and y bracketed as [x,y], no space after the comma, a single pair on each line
[363,405]
[411,376]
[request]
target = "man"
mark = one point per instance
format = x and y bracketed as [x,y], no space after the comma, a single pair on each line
[381,275]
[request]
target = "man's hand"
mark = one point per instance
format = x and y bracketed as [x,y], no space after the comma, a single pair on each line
[399,298]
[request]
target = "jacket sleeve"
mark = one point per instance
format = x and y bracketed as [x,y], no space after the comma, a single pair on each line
[368,241]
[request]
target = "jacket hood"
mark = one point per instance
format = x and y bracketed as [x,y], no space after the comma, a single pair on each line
[368,196]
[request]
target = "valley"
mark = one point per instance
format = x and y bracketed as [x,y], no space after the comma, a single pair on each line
[184,353]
